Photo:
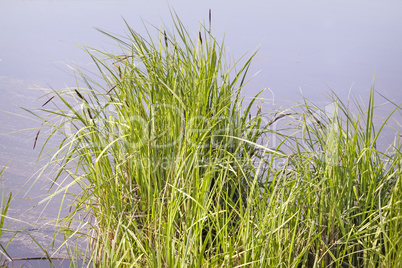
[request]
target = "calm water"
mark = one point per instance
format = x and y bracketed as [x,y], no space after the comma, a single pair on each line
[305,47]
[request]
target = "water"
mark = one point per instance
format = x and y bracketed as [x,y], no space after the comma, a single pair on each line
[305,47]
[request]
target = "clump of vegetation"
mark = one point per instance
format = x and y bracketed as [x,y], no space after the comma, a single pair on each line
[4,205]
[172,172]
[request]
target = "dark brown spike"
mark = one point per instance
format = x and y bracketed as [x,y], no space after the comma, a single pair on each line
[36,139]
[123,58]
[199,35]
[166,39]
[278,117]
[282,115]
[209,31]
[89,113]
[48,101]
[119,70]
[113,87]
[79,95]
[315,118]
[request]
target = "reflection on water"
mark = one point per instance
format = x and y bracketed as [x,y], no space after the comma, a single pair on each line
[305,48]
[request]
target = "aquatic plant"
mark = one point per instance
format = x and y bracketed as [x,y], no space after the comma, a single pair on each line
[5,203]
[172,172]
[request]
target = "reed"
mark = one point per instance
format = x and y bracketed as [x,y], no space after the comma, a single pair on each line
[5,203]
[172,172]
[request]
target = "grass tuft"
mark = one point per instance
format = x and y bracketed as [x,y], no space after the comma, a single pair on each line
[172,172]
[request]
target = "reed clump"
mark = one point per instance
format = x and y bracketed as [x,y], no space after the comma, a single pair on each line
[4,205]
[172,172]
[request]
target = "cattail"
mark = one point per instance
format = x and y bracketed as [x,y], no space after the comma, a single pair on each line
[276,118]
[166,40]
[199,35]
[113,87]
[259,110]
[79,95]
[209,31]
[315,118]
[36,139]
[48,101]
[89,113]
[119,70]
[123,58]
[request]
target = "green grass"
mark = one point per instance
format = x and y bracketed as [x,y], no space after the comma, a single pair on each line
[4,205]
[171,171]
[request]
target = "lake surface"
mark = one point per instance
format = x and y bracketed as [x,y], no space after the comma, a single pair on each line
[305,48]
